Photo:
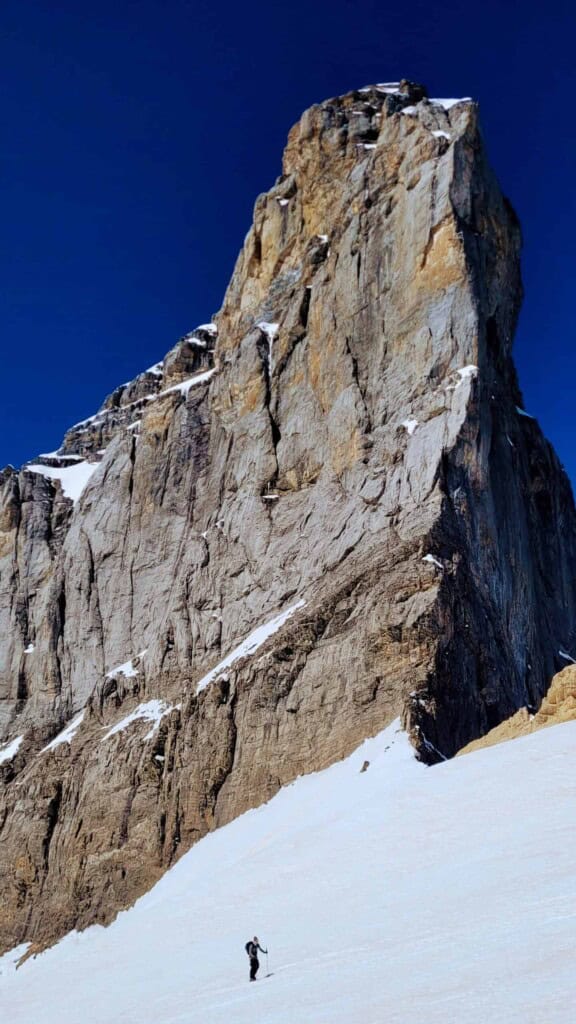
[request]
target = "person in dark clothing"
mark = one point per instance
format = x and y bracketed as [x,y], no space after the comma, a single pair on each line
[252,948]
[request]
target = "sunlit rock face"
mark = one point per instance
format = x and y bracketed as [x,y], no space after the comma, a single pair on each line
[323,509]
[558,706]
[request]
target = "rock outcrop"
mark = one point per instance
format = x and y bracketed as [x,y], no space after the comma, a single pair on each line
[559,705]
[326,509]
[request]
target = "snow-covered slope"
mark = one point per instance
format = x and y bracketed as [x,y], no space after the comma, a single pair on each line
[400,894]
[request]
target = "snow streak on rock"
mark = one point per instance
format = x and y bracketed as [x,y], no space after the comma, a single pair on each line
[249,645]
[127,669]
[153,711]
[67,734]
[191,382]
[9,750]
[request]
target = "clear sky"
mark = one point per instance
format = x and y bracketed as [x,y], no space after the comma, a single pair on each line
[137,134]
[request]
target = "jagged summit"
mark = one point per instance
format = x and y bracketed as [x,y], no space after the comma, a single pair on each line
[324,511]
[194,352]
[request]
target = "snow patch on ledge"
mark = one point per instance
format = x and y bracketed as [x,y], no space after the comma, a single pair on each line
[567,657]
[271,332]
[391,88]
[465,373]
[248,646]
[448,104]
[67,734]
[190,382]
[30,649]
[153,711]
[410,425]
[468,372]
[522,412]
[73,479]
[433,560]
[9,750]
[126,669]
[62,458]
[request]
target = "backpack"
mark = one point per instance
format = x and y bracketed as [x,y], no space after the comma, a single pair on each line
[248,947]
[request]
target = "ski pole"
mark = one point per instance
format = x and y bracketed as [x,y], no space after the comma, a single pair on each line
[267,967]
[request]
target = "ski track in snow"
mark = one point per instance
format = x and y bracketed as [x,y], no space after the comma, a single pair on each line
[398,895]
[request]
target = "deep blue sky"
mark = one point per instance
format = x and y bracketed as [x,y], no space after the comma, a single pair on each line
[136,136]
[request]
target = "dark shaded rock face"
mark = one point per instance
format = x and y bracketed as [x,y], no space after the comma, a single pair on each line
[340,459]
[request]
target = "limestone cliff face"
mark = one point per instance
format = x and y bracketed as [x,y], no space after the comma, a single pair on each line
[322,511]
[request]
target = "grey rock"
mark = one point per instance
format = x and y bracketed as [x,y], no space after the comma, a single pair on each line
[349,448]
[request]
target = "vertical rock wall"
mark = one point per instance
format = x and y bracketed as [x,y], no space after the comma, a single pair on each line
[320,512]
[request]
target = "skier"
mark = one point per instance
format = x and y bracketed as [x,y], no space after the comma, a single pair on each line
[252,948]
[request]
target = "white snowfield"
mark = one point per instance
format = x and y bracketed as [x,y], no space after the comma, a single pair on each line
[398,895]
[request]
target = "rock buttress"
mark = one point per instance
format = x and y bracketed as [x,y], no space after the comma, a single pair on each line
[333,480]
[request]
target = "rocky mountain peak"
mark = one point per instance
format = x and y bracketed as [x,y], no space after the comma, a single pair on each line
[327,509]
